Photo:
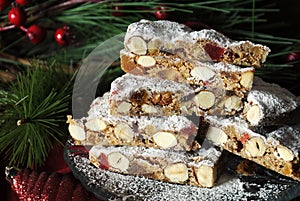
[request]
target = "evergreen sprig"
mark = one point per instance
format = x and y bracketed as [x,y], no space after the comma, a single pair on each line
[33,115]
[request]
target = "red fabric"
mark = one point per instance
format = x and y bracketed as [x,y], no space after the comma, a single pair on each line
[55,161]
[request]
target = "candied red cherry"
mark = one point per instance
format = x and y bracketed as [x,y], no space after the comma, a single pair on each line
[17,16]
[103,162]
[214,51]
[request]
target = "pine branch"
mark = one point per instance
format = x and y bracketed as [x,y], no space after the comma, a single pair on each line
[33,115]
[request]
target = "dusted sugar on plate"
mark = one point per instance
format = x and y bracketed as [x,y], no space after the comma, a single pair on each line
[168,132]
[198,168]
[149,37]
[276,150]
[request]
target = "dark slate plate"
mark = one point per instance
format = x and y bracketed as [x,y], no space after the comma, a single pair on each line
[264,185]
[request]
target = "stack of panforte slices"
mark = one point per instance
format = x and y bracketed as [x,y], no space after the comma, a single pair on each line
[185,97]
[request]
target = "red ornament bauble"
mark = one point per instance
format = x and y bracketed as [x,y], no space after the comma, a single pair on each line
[23,2]
[4,4]
[64,36]
[17,16]
[36,34]
[160,13]
[33,185]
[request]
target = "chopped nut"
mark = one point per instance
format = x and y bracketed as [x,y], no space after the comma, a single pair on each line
[233,103]
[96,125]
[149,109]
[123,108]
[202,73]
[205,176]
[118,161]
[146,61]
[139,97]
[165,139]
[137,45]
[177,172]
[77,132]
[205,99]
[166,98]
[247,79]
[156,97]
[124,132]
[254,115]
[285,153]
[255,147]
[216,135]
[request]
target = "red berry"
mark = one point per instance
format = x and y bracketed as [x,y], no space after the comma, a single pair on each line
[23,2]
[116,13]
[3,4]
[160,13]
[36,34]
[17,16]
[63,36]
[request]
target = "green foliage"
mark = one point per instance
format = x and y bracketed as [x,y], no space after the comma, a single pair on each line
[33,115]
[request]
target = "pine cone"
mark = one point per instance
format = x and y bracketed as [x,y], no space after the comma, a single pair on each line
[31,185]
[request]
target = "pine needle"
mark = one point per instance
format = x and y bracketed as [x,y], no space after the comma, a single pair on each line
[34,111]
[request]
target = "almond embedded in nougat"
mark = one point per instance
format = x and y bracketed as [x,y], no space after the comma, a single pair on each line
[177,172]
[146,61]
[216,135]
[124,132]
[123,108]
[149,109]
[254,114]
[154,45]
[165,139]
[205,176]
[77,132]
[95,125]
[136,45]
[205,99]
[255,147]
[233,103]
[202,73]
[118,161]
[285,153]
[247,79]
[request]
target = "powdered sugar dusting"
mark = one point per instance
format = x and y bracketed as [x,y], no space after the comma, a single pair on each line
[123,87]
[164,30]
[288,136]
[171,32]
[273,100]
[220,39]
